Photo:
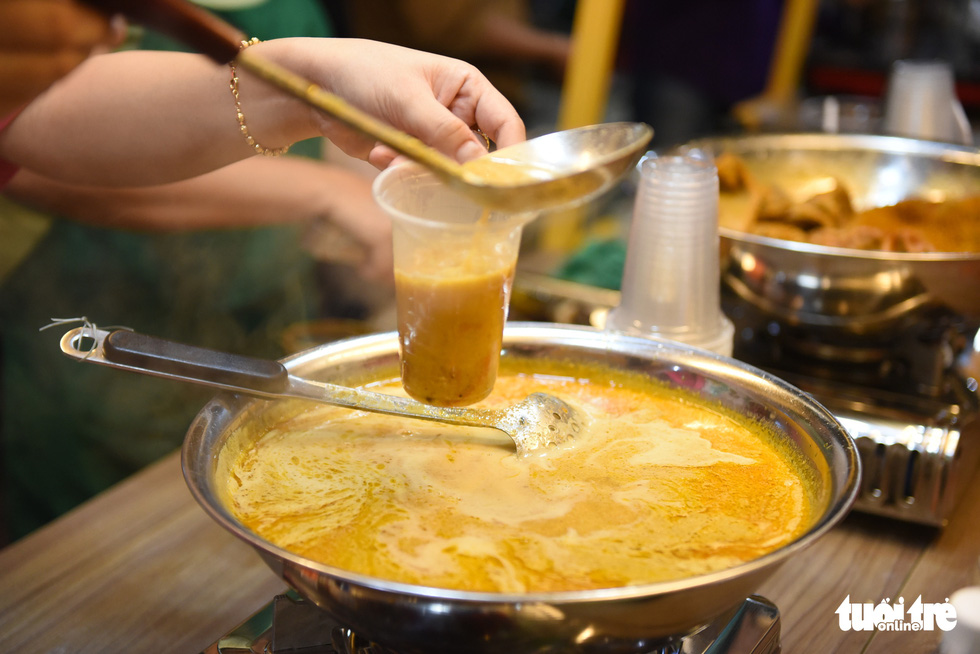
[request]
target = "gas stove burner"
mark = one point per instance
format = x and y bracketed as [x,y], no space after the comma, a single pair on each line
[292,625]
[911,358]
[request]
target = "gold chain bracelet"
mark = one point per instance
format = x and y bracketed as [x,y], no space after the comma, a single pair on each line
[269,152]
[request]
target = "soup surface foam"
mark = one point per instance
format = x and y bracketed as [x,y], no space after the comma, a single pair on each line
[661,487]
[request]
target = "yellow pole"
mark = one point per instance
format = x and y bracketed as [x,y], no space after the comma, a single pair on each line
[785,69]
[585,94]
[792,44]
[595,37]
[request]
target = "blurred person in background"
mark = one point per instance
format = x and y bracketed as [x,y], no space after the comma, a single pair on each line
[689,63]
[226,267]
[43,40]
[500,37]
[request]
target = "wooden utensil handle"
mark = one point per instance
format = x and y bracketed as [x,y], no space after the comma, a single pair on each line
[179,19]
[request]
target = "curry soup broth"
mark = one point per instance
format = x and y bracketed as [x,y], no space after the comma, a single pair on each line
[450,330]
[662,487]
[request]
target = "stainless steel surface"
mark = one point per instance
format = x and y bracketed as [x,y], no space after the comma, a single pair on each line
[629,619]
[912,471]
[538,422]
[844,289]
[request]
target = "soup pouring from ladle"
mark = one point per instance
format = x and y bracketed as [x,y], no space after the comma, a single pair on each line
[536,424]
[558,170]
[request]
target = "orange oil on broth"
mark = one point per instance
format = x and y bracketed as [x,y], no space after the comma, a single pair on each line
[660,489]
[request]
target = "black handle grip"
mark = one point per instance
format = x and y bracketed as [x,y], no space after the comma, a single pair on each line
[179,19]
[167,357]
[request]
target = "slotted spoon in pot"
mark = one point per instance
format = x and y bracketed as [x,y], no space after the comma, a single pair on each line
[538,422]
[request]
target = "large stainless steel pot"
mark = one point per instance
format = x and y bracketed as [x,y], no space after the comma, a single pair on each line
[416,618]
[842,289]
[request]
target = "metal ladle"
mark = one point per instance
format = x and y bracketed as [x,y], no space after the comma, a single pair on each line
[539,422]
[558,170]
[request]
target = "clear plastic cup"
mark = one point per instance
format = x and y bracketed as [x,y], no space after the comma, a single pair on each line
[671,280]
[454,270]
[921,102]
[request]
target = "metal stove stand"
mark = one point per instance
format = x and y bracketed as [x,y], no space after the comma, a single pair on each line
[292,625]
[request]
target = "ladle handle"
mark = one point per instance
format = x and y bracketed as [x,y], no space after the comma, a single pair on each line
[191,362]
[127,350]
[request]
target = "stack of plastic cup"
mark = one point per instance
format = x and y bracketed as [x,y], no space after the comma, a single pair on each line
[671,281]
[921,103]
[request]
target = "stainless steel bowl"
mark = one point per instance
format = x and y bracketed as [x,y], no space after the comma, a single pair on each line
[845,289]
[417,618]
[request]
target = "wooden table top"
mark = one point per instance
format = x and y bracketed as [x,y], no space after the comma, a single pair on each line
[142,568]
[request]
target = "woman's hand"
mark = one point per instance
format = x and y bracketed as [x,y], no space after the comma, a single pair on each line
[436,99]
[43,40]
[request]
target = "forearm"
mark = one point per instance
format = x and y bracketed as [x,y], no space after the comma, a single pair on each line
[135,118]
[141,118]
[255,192]
[249,193]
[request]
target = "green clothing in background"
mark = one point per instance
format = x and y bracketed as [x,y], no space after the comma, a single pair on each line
[70,429]
[273,19]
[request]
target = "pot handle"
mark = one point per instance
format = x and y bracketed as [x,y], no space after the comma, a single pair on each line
[157,356]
